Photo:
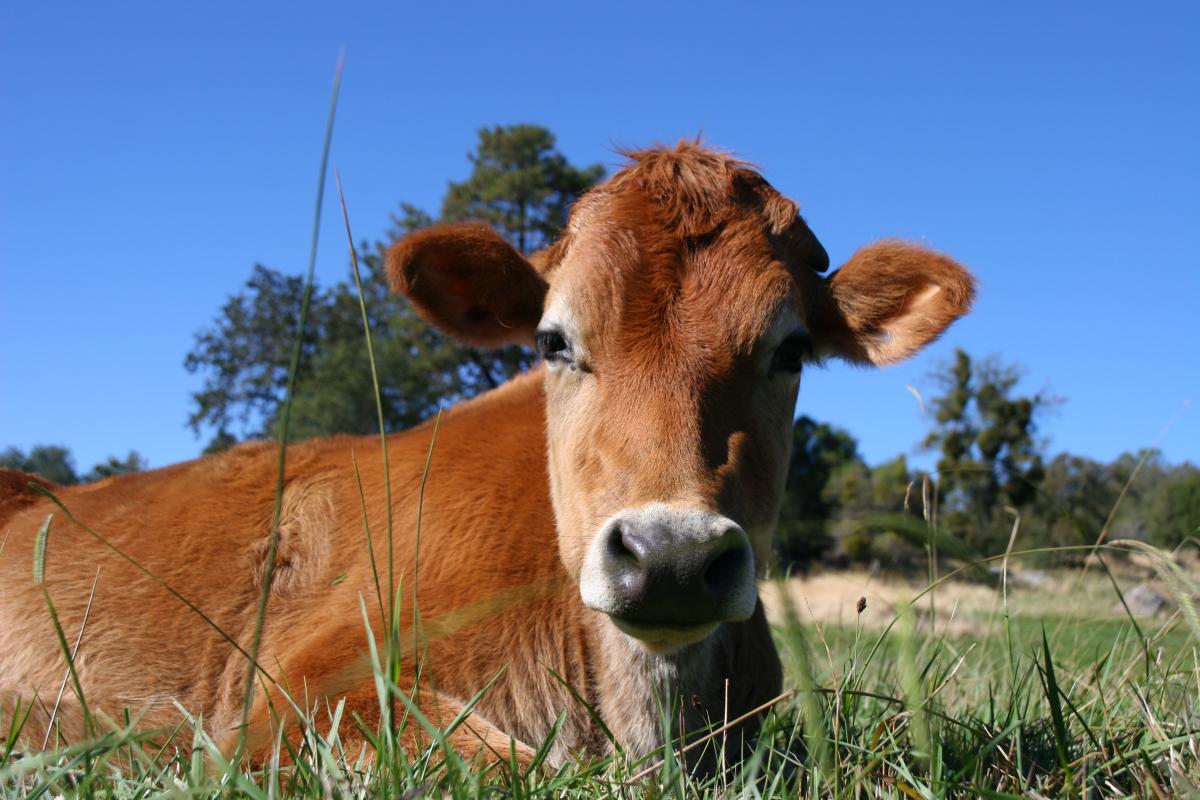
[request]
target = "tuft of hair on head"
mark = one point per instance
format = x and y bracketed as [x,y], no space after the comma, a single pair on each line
[696,189]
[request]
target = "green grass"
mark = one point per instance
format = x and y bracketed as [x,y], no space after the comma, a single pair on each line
[1099,708]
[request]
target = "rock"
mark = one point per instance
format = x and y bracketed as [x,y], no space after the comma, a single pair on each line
[1143,601]
[1024,578]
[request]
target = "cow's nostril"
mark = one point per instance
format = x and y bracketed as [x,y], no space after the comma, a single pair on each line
[727,570]
[614,544]
[635,544]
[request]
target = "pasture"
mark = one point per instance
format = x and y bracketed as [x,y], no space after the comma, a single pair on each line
[1041,688]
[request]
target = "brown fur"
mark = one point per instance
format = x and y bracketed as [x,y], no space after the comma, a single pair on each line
[438,268]
[677,272]
[17,489]
[890,299]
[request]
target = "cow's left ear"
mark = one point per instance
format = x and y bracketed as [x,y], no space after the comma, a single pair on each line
[888,301]
[468,281]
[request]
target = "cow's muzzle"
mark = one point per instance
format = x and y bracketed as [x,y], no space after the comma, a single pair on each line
[669,576]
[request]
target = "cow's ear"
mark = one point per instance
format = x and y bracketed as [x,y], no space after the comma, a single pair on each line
[888,301]
[468,281]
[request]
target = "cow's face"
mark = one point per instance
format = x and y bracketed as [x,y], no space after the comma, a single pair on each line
[675,317]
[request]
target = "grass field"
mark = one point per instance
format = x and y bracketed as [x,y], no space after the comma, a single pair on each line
[1051,690]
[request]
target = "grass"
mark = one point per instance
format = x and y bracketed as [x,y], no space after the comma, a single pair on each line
[989,702]
[1021,693]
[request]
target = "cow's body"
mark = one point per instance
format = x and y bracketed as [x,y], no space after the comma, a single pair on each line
[598,522]
[202,526]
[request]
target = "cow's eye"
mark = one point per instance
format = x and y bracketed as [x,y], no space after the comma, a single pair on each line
[552,346]
[791,353]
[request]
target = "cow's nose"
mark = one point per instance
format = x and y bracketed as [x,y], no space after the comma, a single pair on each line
[664,571]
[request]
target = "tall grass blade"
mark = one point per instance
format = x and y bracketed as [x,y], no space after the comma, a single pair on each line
[362,501]
[66,652]
[1062,744]
[416,611]
[16,724]
[285,418]
[87,610]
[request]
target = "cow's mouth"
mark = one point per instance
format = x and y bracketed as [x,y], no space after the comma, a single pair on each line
[660,637]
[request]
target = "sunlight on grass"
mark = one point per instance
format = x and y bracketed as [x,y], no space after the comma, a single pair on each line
[915,712]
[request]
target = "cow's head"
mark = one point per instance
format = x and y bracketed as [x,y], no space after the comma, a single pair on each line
[675,316]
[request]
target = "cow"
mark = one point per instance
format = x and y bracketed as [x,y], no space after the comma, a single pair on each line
[590,533]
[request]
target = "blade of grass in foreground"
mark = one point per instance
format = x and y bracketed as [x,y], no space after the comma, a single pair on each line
[437,422]
[1061,743]
[66,651]
[87,610]
[383,444]
[390,626]
[285,417]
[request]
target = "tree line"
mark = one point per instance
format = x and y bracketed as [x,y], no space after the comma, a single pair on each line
[992,481]
[991,470]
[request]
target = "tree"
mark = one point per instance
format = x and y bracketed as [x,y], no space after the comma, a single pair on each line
[52,462]
[819,451]
[1073,503]
[117,466]
[989,456]
[1174,508]
[519,183]
[868,499]
[58,465]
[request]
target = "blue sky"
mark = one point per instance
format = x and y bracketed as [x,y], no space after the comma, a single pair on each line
[151,153]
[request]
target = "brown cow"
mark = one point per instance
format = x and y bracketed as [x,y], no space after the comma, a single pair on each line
[603,516]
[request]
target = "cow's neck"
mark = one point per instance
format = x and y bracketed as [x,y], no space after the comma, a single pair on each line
[707,684]
[643,693]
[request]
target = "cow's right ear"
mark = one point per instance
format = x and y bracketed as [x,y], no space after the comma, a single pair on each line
[465,279]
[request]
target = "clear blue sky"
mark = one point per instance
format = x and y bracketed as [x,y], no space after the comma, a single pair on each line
[151,153]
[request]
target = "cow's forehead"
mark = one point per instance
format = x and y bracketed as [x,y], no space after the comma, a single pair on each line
[624,280]
[633,271]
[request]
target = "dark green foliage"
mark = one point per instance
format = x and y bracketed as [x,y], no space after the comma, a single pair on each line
[50,461]
[117,466]
[872,502]
[246,352]
[1173,513]
[57,464]
[991,466]
[1075,501]
[819,451]
[245,356]
[519,184]
[989,459]
[1076,497]
[837,507]
[1136,496]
